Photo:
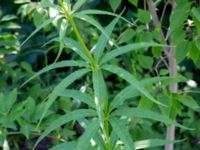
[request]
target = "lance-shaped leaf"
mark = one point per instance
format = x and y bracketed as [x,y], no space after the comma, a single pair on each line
[101,44]
[93,22]
[47,22]
[130,79]
[75,115]
[61,64]
[148,114]
[101,12]
[153,143]
[100,94]
[78,5]
[90,131]
[121,130]
[127,48]
[62,85]
[131,91]
[62,32]
[83,97]
[75,46]
[64,146]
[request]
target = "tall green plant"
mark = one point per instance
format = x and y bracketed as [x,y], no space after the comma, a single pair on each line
[105,119]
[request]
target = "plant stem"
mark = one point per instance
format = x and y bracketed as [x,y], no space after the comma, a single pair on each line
[78,36]
[170,53]
[106,126]
[94,68]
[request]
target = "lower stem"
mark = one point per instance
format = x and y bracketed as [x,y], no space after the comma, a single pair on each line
[170,136]
[106,126]
[173,88]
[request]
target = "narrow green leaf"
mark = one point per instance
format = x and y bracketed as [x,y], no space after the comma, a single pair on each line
[99,94]
[71,116]
[127,48]
[61,64]
[47,22]
[75,46]
[130,78]
[91,130]
[121,130]
[130,91]
[91,21]
[153,143]
[101,44]
[65,146]
[83,97]
[62,85]
[147,114]
[101,12]
[78,5]
[95,23]
[113,139]
[100,141]
[62,32]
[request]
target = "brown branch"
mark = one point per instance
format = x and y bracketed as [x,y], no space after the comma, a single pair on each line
[170,53]
[156,21]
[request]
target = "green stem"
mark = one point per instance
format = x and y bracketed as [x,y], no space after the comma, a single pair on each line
[78,36]
[106,126]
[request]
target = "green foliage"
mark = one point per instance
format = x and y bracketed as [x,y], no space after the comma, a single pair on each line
[102,84]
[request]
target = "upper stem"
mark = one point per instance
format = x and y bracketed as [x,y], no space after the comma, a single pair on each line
[78,36]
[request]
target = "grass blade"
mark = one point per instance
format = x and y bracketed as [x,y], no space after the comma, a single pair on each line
[130,78]
[83,97]
[120,129]
[75,115]
[91,130]
[61,64]
[147,114]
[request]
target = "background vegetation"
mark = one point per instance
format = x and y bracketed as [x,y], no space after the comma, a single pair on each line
[74,77]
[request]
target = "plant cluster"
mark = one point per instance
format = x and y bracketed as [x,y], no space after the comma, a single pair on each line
[112,78]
